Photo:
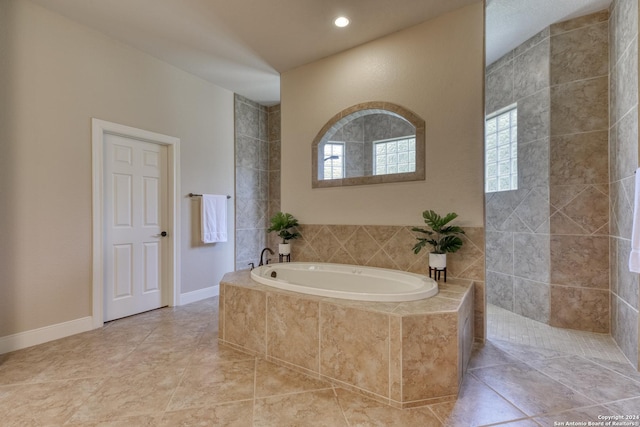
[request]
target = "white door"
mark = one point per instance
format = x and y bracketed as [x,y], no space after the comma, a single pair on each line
[135,193]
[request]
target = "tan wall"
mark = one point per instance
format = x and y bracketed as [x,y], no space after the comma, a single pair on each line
[55,76]
[434,69]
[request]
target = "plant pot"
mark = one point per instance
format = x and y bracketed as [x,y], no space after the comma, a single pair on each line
[284,248]
[438,261]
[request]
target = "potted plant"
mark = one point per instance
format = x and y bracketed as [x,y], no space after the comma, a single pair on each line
[443,237]
[282,223]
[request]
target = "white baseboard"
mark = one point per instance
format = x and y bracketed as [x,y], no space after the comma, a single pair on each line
[199,295]
[45,334]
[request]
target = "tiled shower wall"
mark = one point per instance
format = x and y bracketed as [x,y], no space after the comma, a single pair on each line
[257,147]
[547,244]
[623,157]
[578,180]
[517,222]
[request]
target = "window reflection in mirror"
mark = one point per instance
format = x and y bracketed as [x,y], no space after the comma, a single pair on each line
[369,143]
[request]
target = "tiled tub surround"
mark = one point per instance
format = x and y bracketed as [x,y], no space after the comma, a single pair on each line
[389,246]
[403,354]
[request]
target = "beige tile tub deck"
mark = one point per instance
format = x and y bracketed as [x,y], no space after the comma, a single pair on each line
[404,354]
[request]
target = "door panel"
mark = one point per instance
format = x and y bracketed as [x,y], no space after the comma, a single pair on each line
[122,271]
[134,209]
[151,204]
[151,267]
[122,200]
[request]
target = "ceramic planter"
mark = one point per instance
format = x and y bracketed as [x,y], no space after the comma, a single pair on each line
[284,248]
[437,261]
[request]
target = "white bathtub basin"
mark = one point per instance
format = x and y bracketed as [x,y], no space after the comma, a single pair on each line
[346,281]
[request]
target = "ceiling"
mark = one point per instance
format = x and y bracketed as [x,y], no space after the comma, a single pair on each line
[511,22]
[244,45]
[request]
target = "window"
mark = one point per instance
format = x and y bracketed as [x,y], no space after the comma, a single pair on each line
[333,160]
[501,150]
[397,155]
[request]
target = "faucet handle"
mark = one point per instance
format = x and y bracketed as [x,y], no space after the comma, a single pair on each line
[252,265]
[268,259]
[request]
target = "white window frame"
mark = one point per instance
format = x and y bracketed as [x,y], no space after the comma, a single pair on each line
[411,153]
[501,150]
[326,158]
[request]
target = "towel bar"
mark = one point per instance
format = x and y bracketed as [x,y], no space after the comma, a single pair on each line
[200,195]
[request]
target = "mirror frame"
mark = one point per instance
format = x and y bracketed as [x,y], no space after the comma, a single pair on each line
[408,115]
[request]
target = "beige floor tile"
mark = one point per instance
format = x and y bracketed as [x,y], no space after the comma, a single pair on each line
[520,423]
[215,353]
[50,403]
[85,363]
[526,353]
[626,407]
[581,415]
[139,393]
[361,411]
[594,381]
[236,414]
[137,421]
[488,354]
[273,380]
[150,355]
[209,336]
[102,338]
[218,383]
[17,370]
[623,368]
[315,408]
[476,405]
[174,337]
[529,390]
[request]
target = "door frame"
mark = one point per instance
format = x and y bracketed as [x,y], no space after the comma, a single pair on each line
[171,284]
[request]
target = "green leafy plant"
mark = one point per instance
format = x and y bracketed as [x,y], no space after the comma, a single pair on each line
[281,224]
[443,237]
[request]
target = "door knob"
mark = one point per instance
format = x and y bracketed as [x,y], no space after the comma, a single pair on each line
[163,234]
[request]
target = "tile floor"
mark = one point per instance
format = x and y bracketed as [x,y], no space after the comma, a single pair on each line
[507,326]
[165,368]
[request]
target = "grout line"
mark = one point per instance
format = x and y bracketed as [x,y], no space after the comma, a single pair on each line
[255,386]
[509,401]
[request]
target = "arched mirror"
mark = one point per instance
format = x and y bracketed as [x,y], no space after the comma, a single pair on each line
[369,143]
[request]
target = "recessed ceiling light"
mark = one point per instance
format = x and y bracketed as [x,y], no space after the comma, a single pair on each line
[341,21]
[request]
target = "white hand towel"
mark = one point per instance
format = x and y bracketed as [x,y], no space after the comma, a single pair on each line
[634,258]
[214,218]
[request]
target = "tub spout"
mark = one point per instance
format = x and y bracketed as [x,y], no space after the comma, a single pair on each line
[262,256]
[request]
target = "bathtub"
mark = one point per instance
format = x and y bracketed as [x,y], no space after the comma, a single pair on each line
[346,281]
[405,354]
